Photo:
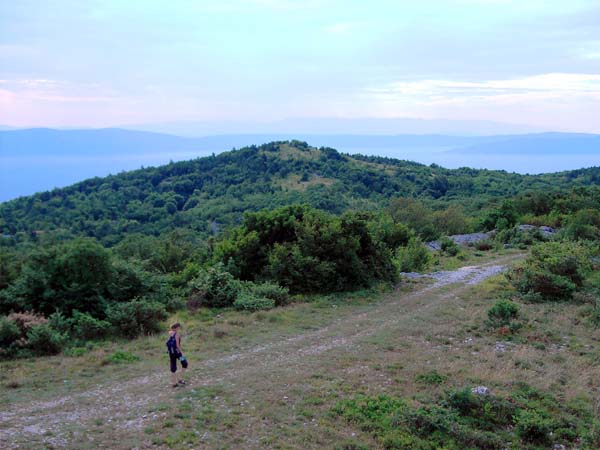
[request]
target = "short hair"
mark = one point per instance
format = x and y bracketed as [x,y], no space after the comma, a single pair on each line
[175,325]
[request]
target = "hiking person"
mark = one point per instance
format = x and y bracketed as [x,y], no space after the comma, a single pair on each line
[175,353]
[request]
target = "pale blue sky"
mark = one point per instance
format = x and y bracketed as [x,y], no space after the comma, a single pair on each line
[105,63]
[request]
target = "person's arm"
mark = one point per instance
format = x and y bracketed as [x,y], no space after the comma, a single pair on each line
[178,341]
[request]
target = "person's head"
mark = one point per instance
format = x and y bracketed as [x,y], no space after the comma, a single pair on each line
[176,326]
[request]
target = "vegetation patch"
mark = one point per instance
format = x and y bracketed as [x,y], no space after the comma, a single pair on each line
[431,378]
[526,418]
[553,271]
[503,315]
[122,357]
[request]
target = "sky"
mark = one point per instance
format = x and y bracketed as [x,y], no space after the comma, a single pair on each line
[73,63]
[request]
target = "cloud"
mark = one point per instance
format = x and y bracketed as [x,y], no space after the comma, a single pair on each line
[560,101]
[543,85]
[34,89]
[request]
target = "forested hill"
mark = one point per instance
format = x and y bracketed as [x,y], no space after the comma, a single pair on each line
[207,193]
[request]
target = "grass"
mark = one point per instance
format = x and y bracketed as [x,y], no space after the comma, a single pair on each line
[307,357]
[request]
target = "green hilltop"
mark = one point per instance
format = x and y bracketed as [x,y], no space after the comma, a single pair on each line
[209,193]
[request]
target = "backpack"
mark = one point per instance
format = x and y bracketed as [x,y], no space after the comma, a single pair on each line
[172,344]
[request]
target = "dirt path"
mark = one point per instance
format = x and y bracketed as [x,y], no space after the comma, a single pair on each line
[124,406]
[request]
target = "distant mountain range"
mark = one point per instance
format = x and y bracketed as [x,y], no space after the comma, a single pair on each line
[33,160]
[329,125]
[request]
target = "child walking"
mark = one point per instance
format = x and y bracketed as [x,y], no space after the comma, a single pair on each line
[175,353]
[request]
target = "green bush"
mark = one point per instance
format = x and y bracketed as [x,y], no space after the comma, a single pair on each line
[307,250]
[87,328]
[533,426]
[121,357]
[427,420]
[247,301]
[501,218]
[502,313]
[73,275]
[432,377]
[463,401]
[583,225]
[137,317]
[280,295]
[413,258]
[214,287]
[59,322]
[552,271]
[538,286]
[390,233]
[519,238]
[43,340]
[9,334]
[130,280]
[449,247]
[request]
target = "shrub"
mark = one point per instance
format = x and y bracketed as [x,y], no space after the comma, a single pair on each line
[449,247]
[431,419]
[44,340]
[214,287]
[413,258]
[121,357]
[518,237]
[250,302]
[73,275]
[502,313]
[452,220]
[553,271]
[538,285]
[130,281]
[583,225]
[25,321]
[60,323]
[389,233]
[432,377]
[308,250]
[9,333]
[533,426]
[463,400]
[136,317]
[87,328]
[280,295]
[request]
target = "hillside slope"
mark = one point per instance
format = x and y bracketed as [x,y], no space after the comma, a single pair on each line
[206,193]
